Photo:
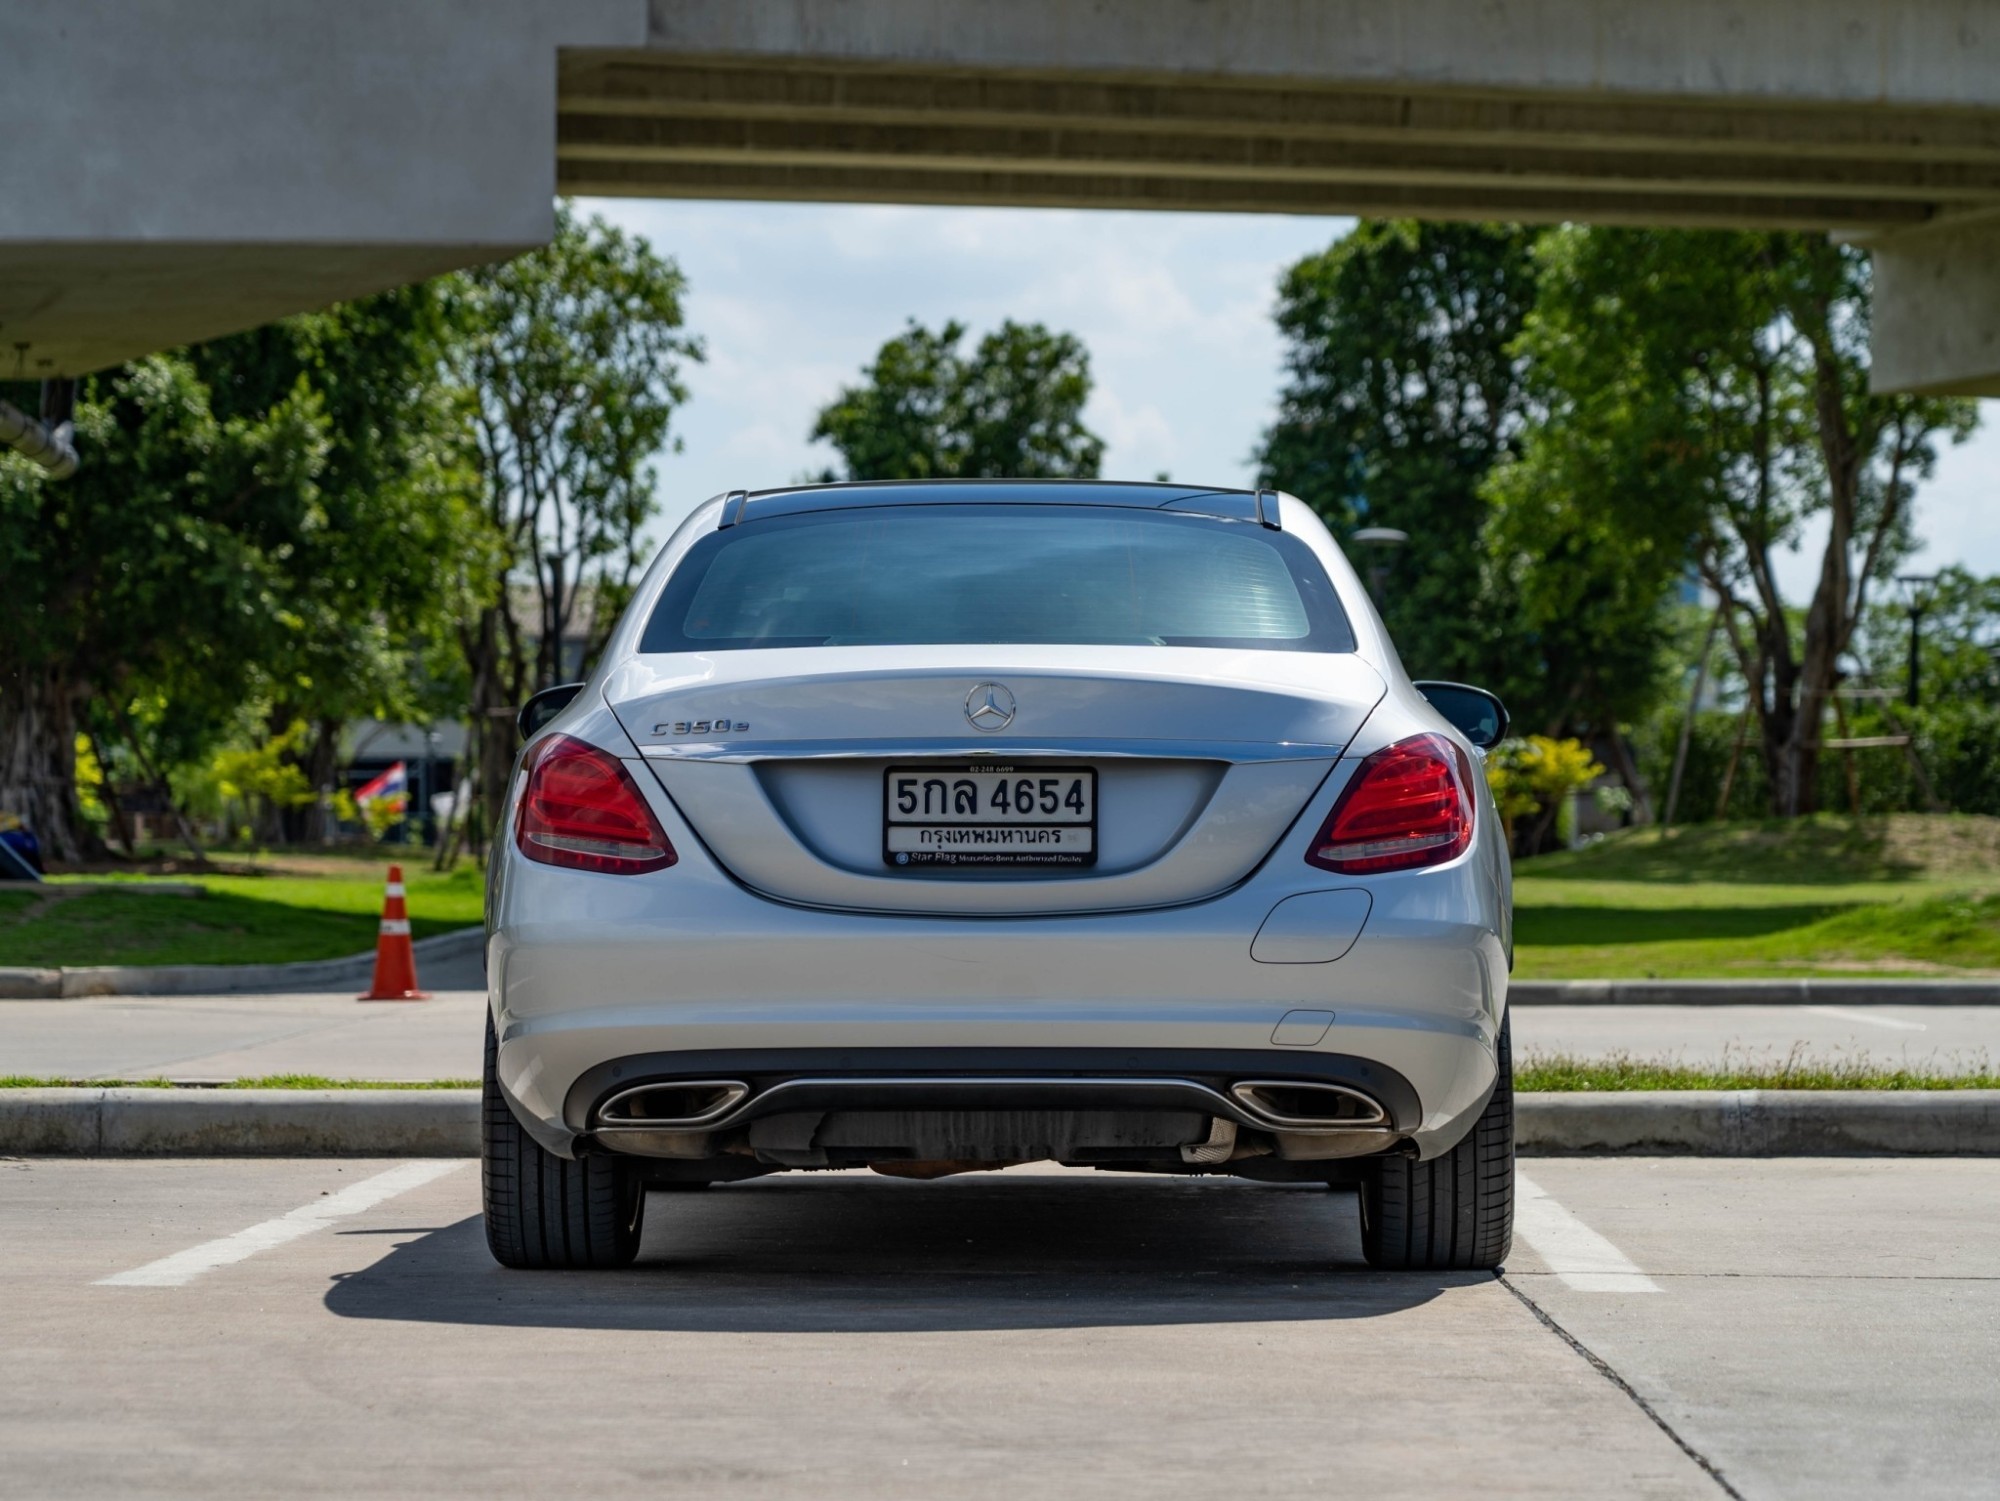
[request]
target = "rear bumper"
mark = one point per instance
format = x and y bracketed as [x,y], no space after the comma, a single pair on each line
[832,1107]
[594,977]
[797,1079]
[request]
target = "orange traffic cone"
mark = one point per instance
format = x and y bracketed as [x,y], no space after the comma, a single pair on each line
[395,959]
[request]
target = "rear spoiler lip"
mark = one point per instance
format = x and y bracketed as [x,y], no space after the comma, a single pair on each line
[1260,506]
[955,749]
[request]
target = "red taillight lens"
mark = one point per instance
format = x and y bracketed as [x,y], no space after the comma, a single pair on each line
[581,810]
[1409,805]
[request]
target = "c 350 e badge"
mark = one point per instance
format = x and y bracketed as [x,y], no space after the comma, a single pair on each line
[701,727]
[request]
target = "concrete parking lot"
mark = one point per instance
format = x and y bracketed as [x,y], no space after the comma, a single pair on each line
[1666,1328]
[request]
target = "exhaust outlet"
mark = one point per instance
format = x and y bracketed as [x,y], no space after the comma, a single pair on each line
[677,1106]
[1290,1106]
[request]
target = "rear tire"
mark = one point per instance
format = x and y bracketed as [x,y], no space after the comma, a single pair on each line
[1454,1212]
[544,1212]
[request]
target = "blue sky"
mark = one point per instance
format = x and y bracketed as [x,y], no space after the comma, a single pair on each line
[793,299]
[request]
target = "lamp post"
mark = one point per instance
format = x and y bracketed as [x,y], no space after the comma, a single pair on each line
[1381,542]
[1917,586]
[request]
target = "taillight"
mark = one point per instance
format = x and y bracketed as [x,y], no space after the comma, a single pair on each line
[580,809]
[1409,805]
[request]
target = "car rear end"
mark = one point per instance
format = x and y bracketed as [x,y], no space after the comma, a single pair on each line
[925,828]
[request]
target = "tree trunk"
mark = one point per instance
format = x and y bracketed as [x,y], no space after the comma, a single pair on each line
[322,767]
[119,822]
[38,761]
[1790,722]
[1620,756]
[498,672]
[1794,769]
[498,742]
[1791,743]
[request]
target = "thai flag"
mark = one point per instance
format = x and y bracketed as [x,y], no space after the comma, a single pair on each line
[392,787]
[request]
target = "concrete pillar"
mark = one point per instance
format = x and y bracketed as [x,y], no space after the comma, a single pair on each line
[1937,308]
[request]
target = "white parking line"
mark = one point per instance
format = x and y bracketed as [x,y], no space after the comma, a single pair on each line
[1841,1014]
[184,1266]
[1582,1258]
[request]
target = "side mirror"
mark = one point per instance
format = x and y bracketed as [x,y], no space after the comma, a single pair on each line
[545,706]
[1473,712]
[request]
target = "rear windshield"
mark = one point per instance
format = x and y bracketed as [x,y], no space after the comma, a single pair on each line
[1023,575]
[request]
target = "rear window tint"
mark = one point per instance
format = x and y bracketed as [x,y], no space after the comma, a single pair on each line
[1022,575]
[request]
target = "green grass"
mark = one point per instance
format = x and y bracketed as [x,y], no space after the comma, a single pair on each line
[310,907]
[1915,895]
[1823,850]
[1562,1073]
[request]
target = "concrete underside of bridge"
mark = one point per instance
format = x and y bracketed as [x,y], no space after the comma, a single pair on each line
[195,166]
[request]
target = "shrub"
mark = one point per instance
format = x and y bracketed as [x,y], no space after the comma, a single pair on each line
[1532,778]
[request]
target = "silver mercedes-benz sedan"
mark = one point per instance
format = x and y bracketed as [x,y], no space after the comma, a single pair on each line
[940,826]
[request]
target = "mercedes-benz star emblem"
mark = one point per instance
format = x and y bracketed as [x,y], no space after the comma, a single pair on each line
[989,707]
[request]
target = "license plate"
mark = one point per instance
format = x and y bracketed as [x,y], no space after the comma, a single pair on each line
[989,815]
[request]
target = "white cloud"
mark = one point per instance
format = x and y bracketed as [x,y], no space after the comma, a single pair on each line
[1958,511]
[1141,434]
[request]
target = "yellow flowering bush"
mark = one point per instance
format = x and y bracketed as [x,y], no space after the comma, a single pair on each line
[1531,775]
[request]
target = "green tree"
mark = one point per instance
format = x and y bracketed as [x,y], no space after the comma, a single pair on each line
[1402,392]
[571,359]
[1959,646]
[378,578]
[160,567]
[1706,395]
[1592,580]
[926,410]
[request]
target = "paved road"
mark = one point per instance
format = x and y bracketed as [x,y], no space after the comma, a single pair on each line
[1801,1329]
[234,1037]
[229,1037]
[1958,1039]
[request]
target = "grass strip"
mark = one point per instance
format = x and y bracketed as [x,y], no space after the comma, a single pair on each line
[1823,849]
[1563,1073]
[266,1081]
[1910,895]
[1956,934]
[328,910]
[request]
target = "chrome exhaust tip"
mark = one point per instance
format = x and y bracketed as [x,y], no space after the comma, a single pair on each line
[679,1105]
[1287,1105]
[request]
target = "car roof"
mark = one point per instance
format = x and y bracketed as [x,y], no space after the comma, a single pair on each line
[1230,504]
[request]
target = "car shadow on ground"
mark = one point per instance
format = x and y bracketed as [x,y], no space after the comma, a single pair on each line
[862,1254]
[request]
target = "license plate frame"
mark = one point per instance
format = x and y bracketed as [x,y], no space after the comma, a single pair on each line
[960,840]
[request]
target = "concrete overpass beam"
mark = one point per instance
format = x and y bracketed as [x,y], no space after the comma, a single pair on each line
[185,168]
[1937,308]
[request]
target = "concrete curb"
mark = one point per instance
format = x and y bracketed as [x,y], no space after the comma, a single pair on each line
[1754,992]
[445,1123]
[240,1122]
[77,983]
[1763,1123]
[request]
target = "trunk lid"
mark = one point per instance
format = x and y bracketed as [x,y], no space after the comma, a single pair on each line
[1200,759]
